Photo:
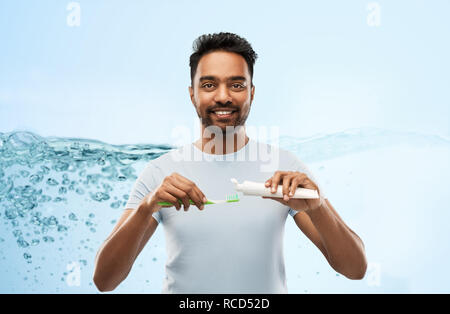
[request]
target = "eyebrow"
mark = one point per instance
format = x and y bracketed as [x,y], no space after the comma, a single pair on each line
[213,78]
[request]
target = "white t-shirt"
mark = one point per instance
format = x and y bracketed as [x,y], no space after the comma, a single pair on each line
[226,248]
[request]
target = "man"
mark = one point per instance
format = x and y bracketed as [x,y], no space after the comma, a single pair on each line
[232,247]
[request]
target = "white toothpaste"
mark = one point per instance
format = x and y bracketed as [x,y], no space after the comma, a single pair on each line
[259,189]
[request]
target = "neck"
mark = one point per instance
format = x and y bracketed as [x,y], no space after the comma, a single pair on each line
[218,144]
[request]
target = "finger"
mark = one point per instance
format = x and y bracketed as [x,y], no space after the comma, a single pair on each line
[197,196]
[294,185]
[276,179]
[178,190]
[202,198]
[191,190]
[268,183]
[167,197]
[299,180]
[306,183]
[286,183]
[179,194]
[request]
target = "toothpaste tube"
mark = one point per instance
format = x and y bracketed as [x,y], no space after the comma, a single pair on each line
[259,189]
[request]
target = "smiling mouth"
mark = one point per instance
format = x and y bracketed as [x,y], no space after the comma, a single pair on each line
[224,113]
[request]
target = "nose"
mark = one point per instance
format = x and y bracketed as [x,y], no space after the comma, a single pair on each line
[222,95]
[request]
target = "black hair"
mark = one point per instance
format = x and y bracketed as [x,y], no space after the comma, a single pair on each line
[221,42]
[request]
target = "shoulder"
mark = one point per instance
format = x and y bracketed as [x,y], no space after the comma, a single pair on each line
[281,157]
[263,147]
[283,152]
[168,157]
[167,161]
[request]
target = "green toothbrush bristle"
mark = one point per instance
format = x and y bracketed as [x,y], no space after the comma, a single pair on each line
[233,198]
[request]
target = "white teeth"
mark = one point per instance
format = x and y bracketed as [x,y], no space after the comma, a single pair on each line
[223,112]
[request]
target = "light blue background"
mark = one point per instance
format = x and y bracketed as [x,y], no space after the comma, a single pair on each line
[122,76]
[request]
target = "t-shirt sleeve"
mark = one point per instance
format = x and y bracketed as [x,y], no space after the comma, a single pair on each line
[144,184]
[298,165]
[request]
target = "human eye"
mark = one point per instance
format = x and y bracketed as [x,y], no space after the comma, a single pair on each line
[237,86]
[208,85]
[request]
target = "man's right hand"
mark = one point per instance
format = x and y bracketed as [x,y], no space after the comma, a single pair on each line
[173,188]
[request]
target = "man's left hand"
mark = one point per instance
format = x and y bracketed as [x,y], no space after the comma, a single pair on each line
[290,180]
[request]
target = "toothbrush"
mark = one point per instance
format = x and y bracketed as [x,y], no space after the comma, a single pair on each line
[229,199]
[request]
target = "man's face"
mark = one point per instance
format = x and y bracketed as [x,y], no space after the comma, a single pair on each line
[222,83]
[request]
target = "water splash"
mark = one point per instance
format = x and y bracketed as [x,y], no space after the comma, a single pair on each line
[48,185]
[38,177]
[328,146]
[37,171]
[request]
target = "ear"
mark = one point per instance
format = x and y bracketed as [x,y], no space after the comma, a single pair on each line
[191,94]
[252,93]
